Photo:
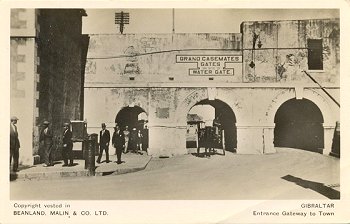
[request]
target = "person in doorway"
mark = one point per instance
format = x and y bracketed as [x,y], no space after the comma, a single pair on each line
[145,138]
[14,144]
[104,143]
[126,137]
[116,124]
[118,142]
[208,140]
[217,124]
[139,140]
[46,139]
[67,145]
[133,140]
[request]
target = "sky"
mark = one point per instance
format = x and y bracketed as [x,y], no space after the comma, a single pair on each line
[207,112]
[101,21]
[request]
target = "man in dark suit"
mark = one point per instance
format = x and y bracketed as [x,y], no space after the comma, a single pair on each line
[46,139]
[118,142]
[104,143]
[133,140]
[14,144]
[67,145]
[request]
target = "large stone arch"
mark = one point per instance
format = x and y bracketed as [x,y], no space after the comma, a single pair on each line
[198,95]
[132,101]
[191,100]
[119,98]
[129,109]
[314,96]
[187,103]
[128,118]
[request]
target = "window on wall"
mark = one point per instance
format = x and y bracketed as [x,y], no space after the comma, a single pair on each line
[315,60]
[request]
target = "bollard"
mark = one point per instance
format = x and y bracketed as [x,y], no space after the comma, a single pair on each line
[336,141]
[90,155]
[94,137]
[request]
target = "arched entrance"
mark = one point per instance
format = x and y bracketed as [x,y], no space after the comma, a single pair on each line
[135,118]
[203,114]
[299,124]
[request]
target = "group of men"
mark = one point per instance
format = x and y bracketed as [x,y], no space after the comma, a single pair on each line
[121,141]
[46,142]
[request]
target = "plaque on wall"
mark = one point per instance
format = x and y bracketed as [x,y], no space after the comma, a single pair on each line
[79,132]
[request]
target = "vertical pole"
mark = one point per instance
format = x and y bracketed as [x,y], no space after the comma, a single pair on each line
[173,20]
[121,28]
[90,155]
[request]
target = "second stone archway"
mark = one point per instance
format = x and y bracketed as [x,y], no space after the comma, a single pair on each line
[229,102]
[225,117]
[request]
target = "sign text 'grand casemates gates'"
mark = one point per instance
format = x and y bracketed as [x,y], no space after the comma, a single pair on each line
[210,64]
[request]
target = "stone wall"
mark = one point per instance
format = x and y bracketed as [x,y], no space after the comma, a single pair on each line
[61,80]
[145,70]
[23,73]
[153,57]
[47,75]
[254,114]
[22,95]
[283,54]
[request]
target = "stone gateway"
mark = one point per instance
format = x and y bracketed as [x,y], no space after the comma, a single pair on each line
[258,93]
[254,83]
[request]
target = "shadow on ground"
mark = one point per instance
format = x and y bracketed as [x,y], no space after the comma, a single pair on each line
[209,153]
[315,186]
[13,175]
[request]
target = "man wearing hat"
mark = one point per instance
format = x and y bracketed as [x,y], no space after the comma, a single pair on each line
[105,138]
[118,142]
[67,145]
[46,139]
[14,143]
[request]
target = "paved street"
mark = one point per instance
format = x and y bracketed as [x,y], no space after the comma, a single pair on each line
[131,162]
[288,174]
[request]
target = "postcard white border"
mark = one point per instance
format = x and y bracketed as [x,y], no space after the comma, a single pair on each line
[228,211]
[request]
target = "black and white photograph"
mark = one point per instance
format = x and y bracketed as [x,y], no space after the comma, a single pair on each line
[175,105]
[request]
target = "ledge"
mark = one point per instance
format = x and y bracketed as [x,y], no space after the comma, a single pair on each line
[204,85]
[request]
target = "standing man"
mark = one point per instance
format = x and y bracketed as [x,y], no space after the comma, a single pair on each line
[126,137]
[118,142]
[216,124]
[46,139]
[139,140]
[67,145]
[133,140]
[14,144]
[104,143]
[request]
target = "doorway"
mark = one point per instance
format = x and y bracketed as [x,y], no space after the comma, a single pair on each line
[299,124]
[207,112]
[135,118]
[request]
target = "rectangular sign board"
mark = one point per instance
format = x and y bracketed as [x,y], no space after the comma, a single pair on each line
[218,65]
